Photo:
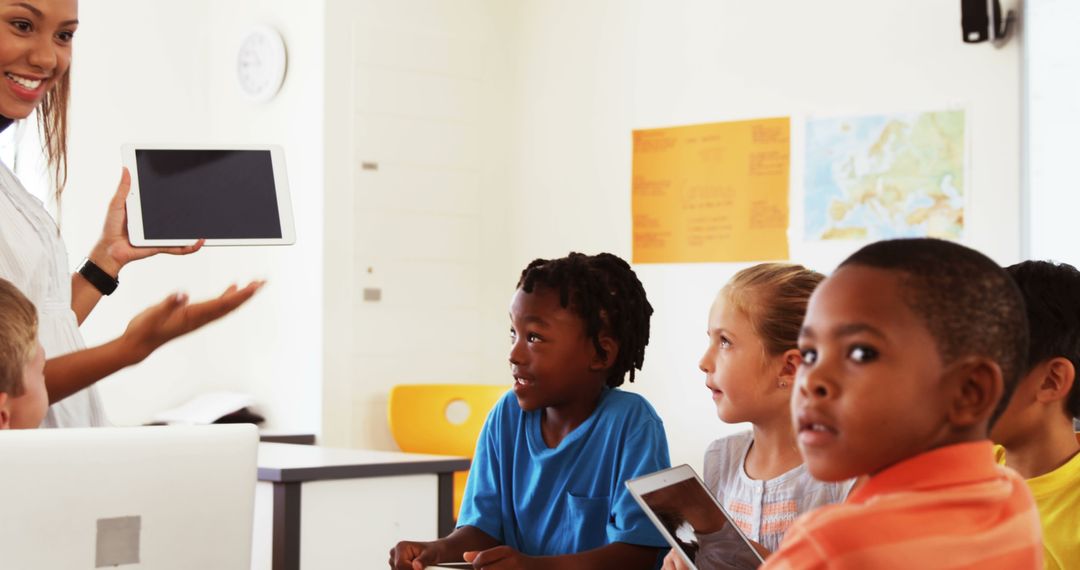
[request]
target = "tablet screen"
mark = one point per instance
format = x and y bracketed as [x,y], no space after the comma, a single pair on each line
[213,194]
[699,527]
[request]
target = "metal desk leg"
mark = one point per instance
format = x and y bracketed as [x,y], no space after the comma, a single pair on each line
[446,504]
[286,534]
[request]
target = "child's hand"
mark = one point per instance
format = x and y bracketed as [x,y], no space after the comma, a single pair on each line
[673,562]
[502,558]
[407,555]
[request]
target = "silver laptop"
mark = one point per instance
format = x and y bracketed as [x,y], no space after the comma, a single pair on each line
[145,497]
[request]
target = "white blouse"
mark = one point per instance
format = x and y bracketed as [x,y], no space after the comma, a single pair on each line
[33,257]
[764,510]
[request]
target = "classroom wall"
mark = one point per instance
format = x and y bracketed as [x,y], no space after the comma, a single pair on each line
[435,148]
[421,90]
[416,203]
[591,72]
[1052,89]
[162,72]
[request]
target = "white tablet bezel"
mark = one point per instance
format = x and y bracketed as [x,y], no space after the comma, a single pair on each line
[281,185]
[648,483]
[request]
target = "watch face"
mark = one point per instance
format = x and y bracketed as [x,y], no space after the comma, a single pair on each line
[260,64]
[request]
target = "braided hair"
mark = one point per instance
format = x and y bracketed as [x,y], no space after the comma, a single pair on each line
[605,292]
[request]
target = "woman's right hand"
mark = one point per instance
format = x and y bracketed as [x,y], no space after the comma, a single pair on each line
[175,317]
[673,562]
[407,555]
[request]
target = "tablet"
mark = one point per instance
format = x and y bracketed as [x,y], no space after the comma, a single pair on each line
[229,195]
[693,522]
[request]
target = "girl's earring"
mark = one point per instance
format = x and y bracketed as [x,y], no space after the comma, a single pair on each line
[783,384]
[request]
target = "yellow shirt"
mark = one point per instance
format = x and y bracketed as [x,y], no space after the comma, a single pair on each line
[1057,494]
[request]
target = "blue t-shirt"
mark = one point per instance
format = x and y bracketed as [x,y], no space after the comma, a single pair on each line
[549,501]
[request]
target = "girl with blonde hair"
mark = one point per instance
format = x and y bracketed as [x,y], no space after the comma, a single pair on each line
[750,365]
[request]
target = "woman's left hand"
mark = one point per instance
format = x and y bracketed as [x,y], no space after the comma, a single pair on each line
[114,250]
[175,316]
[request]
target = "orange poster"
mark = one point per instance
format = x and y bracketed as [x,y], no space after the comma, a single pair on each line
[712,192]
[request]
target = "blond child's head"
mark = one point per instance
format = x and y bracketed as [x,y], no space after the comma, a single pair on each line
[752,357]
[23,399]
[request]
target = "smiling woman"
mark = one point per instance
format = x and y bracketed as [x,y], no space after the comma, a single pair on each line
[36,39]
[35,54]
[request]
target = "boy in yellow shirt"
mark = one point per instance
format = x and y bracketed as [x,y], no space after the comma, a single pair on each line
[23,398]
[1036,436]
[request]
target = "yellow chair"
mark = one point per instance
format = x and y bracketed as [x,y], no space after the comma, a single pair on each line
[442,419]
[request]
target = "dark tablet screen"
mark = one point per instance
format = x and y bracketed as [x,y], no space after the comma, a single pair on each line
[213,194]
[700,529]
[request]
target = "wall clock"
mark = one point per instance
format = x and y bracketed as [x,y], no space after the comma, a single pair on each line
[260,63]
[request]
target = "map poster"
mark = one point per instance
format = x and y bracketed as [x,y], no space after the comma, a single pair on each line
[712,192]
[886,176]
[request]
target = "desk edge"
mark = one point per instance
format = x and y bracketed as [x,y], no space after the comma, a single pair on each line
[331,472]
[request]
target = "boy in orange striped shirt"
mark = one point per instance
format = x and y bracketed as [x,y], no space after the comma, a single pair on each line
[910,351]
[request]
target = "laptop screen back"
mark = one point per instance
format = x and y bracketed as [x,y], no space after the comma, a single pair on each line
[167,498]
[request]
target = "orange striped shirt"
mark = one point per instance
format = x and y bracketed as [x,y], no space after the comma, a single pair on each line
[951,507]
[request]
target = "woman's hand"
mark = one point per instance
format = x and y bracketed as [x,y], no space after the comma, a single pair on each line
[114,250]
[174,317]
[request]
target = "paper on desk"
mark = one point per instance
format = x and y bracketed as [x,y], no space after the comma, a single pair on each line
[205,409]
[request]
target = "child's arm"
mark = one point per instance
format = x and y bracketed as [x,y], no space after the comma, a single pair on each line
[480,506]
[408,555]
[618,556]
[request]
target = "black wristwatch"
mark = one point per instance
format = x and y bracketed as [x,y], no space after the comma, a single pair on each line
[97,277]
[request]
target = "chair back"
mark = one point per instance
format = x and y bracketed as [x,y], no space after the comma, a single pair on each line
[443,419]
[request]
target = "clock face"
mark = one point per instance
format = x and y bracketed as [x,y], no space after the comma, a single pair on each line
[260,64]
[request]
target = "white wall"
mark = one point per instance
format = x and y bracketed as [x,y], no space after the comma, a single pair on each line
[1052,90]
[591,72]
[158,71]
[423,99]
[420,87]
[501,133]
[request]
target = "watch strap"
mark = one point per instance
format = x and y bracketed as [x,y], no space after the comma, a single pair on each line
[97,277]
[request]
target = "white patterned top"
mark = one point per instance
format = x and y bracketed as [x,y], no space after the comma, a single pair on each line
[33,257]
[764,510]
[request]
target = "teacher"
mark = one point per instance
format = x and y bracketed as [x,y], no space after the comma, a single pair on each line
[35,57]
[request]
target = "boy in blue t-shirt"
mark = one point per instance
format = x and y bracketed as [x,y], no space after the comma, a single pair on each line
[546,485]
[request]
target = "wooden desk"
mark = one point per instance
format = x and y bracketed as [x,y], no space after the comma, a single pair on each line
[356,505]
